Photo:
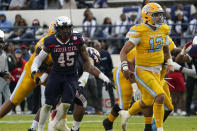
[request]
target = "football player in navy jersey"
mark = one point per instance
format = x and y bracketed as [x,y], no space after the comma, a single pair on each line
[65,47]
[188,54]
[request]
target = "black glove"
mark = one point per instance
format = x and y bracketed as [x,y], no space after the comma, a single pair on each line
[109,86]
[79,90]
[32,74]
[35,78]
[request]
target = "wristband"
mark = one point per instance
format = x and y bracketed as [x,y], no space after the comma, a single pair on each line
[169,62]
[124,65]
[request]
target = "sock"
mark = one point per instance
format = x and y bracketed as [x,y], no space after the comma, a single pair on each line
[75,125]
[158,111]
[61,111]
[34,125]
[135,108]
[160,129]
[148,120]
[65,116]
[111,117]
[44,113]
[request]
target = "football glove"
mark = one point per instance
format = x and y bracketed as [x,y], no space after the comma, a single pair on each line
[186,48]
[136,92]
[109,85]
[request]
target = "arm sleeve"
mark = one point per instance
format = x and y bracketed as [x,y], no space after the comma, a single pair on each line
[133,36]
[190,72]
[38,60]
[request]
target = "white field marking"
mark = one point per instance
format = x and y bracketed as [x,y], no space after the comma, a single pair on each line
[69,122]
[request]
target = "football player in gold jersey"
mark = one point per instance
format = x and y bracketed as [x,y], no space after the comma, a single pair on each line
[26,84]
[126,89]
[151,41]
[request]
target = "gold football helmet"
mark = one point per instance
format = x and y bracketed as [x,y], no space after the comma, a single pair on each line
[153,14]
[52,28]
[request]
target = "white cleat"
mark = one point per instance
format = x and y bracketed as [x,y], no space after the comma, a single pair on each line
[51,126]
[124,115]
[62,126]
[40,128]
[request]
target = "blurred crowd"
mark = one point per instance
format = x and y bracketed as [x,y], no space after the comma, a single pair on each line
[21,39]
[50,4]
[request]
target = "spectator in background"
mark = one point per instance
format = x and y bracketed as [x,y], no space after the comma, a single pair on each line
[18,18]
[30,33]
[169,21]
[100,4]
[121,28]
[180,28]
[177,91]
[106,67]
[107,28]
[37,4]
[132,19]
[5,76]
[86,13]
[42,32]
[4,4]
[6,24]
[19,4]
[18,32]
[25,53]
[16,73]
[179,10]
[89,25]
[68,4]
[193,25]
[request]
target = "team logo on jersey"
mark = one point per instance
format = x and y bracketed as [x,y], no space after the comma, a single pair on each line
[74,38]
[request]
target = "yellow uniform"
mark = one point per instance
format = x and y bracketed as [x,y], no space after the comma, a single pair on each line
[168,100]
[149,58]
[26,84]
[123,86]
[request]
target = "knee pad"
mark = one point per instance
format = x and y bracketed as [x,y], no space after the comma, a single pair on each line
[116,109]
[65,106]
[47,107]
[81,100]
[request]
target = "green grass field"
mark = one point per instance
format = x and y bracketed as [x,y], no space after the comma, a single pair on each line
[94,123]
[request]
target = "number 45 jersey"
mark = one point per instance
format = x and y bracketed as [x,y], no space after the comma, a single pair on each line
[149,43]
[64,55]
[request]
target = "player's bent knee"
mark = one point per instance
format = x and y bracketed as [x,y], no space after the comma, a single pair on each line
[147,103]
[159,98]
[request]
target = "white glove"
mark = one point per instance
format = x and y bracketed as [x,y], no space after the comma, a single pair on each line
[176,66]
[43,77]
[136,92]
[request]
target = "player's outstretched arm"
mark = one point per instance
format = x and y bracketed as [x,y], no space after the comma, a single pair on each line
[190,72]
[41,56]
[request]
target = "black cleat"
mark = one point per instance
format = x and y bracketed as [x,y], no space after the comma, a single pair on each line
[30,129]
[108,125]
[148,127]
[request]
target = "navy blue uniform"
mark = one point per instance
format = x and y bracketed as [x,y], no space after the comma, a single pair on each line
[63,77]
